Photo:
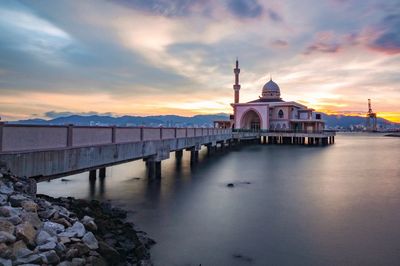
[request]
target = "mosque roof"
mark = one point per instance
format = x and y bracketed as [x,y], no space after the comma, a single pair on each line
[271,86]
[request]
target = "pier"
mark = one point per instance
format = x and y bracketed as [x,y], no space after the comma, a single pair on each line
[48,152]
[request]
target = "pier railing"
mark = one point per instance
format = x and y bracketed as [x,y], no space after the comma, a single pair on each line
[327,132]
[16,138]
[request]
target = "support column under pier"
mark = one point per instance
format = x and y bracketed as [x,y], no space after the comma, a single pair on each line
[153,169]
[102,172]
[92,175]
[178,155]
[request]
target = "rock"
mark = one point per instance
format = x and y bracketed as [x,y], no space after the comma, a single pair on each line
[82,249]
[77,230]
[230,185]
[7,226]
[86,219]
[60,248]
[48,246]
[34,258]
[65,263]
[26,232]
[18,246]
[16,200]
[90,240]
[5,262]
[7,237]
[32,218]
[51,257]
[29,206]
[110,254]
[15,220]
[96,261]
[72,253]
[63,221]
[91,226]
[65,240]
[23,252]
[8,211]
[78,262]
[3,199]
[6,190]
[5,251]
[47,214]
[53,228]
[43,237]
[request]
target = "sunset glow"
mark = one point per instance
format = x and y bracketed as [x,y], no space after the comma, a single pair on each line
[176,57]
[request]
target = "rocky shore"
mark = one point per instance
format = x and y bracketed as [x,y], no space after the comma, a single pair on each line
[41,230]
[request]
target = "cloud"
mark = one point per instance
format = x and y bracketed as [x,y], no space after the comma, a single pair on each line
[245,8]
[274,16]
[324,42]
[55,114]
[388,40]
[280,43]
[168,8]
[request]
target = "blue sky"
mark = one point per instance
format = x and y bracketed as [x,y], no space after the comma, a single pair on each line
[176,57]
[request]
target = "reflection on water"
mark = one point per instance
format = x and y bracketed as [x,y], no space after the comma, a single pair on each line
[290,204]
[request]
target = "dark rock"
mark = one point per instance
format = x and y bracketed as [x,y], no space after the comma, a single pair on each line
[15,220]
[72,253]
[7,237]
[5,262]
[110,254]
[43,237]
[6,190]
[78,262]
[17,246]
[16,200]
[8,211]
[51,257]
[48,246]
[230,185]
[29,206]
[82,249]
[5,251]
[90,240]
[34,258]
[3,199]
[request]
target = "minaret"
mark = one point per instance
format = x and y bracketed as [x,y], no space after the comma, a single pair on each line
[236,86]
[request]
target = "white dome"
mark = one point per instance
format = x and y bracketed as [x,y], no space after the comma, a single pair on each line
[271,90]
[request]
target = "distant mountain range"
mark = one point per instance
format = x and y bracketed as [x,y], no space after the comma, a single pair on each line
[332,121]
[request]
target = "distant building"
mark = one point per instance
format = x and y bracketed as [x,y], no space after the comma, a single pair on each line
[270,112]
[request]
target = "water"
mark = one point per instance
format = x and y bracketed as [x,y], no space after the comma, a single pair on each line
[335,205]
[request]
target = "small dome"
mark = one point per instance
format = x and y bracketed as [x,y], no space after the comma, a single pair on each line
[271,86]
[271,90]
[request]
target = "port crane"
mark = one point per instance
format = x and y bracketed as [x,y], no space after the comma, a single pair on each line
[371,118]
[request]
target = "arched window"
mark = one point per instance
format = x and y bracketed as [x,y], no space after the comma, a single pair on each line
[280,114]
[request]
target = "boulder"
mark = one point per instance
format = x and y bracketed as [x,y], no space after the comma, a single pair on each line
[6,190]
[23,252]
[16,200]
[7,237]
[17,246]
[110,254]
[51,257]
[26,232]
[90,240]
[5,262]
[48,246]
[43,237]
[3,199]
[47,214]
[71,253]
[7,226]
[65,263]
[32,218]
[77,230]
[29,206]
[53,228]
[5,251]
[8,211]
[78,261]
[15,220]
[63,221]
[32,259]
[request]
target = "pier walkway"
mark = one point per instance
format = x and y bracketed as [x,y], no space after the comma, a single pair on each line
[46,152]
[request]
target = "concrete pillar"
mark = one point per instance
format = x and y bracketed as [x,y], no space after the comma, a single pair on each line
[92,174]
[178,155]
[102,172]
[194,156]
[153,169]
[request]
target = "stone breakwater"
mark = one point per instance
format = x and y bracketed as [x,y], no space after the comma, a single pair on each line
[41,230]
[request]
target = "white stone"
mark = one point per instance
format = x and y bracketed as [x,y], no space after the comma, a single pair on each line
[90,240]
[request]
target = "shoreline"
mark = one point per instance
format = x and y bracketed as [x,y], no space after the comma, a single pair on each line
[38,229]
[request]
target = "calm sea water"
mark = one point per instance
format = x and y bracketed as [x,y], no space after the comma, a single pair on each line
[291,205]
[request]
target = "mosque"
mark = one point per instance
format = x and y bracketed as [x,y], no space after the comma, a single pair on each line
[269,112]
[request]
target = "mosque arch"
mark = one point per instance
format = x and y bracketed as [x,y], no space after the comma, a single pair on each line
[251,120]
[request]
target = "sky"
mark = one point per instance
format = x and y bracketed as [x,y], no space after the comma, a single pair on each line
[151,57]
